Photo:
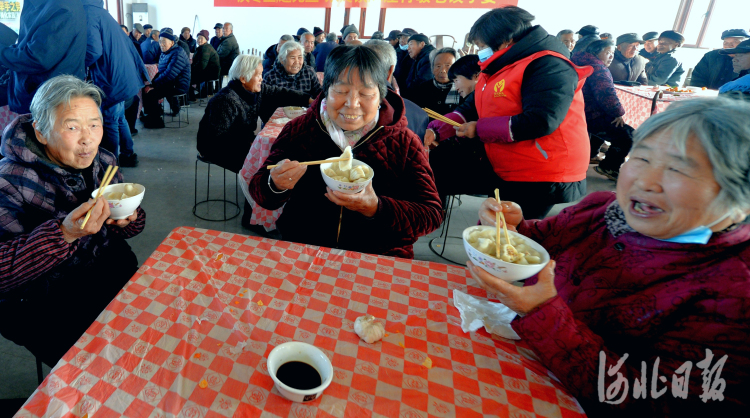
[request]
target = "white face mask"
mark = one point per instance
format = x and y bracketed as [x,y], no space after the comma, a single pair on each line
[485,54]
[404,47]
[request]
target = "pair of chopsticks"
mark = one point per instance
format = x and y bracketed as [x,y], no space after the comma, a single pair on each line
[435,115]
[108,175]
[338,160]
[499,216]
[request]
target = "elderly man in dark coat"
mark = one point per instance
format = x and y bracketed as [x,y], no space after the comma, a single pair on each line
[229,49]
[627,65]
[421,70]
[715,69]
[37,55]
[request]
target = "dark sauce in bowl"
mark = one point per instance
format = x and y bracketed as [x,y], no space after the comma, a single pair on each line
[299,375]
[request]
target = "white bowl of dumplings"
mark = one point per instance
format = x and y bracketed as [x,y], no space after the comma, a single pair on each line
[123,198]
[350,181]
[479,242]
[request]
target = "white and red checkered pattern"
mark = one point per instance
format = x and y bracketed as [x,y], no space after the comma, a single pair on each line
[637,102]
[257,155]
[193,313]
[6,117]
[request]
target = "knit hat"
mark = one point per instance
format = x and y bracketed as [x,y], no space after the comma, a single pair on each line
[742,48]
[219,26]
[393,35]
[300,31]
[167,33]
[317,31]
[628,38]
[138,27]
[650,36]
[588,30]
[204,33]
[735,33]
[147,26]
[420,38]
[673,35]
[349,29]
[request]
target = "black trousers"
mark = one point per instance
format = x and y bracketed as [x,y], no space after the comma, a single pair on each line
[621,140]
[151,106]
[461,166]
[131,111]
[49,314]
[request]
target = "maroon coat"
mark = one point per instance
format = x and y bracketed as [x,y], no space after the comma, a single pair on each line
[408,207]
[622,292]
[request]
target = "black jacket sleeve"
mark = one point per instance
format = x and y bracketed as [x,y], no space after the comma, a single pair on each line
[701,73]
[661,69]
[549,84]
[274,97]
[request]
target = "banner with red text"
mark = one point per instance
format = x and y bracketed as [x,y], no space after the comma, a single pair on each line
[385,4]
[273,3]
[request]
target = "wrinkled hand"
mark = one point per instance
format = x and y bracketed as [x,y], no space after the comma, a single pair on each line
[468,130]
[430,139]
[71,225]
[364,202]
[287,174]
[619,122]
[122,223]
[512,212]
[520,300]
[147,89]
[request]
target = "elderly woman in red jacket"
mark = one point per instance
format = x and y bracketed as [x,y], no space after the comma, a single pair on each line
[651,281]
[355,109]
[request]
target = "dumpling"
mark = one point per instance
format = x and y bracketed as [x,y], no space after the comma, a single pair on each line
[330,172]
[357,173]
[130,190]
[115,196]
[346,165]
[486,245]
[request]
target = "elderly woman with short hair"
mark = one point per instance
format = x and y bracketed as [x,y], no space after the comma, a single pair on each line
[225,133]
[438,94]
[291,72]
[52,165]
[356,109]
[655,275]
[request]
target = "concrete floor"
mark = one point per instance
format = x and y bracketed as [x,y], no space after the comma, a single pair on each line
[167,164]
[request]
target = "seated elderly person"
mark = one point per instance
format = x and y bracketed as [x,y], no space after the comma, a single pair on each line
[56,277]
[225,133]
[439,94]
[715,68]
[356,109]
[308,42]
[586,35]
[650,40]
[603,109]
[567,37]
[291,72]
[741,65]
[627,64]
[420,50]
[206,65]
[653,276]
[665,68]
[172,79]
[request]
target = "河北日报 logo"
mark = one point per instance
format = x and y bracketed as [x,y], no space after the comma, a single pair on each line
[499,87]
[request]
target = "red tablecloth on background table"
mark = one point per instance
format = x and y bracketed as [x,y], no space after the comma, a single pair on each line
[259,151]
[191,314]
[637,102]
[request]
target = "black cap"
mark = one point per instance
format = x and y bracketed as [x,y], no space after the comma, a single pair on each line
[408,32]
[219,26]
[673,35]
[377,35]
[628,38]
[420,38]
[317,31]
[650,36]
[735,33]
[393,35]
[300,31]
[742,48]
[588,30]
[147,26]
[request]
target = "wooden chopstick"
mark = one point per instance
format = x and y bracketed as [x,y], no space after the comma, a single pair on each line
[435,115]
[108,175]
[338,160]
[502,217]
[497,224]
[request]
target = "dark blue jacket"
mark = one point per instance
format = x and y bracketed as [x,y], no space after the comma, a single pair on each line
[420,71]
[321,53]
[110,56]
[174,70]
[51,42]
[269,58]
[151,51]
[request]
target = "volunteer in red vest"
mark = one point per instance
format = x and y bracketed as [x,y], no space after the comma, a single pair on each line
[530,140]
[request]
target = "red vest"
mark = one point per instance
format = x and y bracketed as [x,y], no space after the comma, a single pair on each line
[560,157]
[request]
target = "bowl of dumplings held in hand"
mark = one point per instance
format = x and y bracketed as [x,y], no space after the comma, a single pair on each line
[123,198]
[530,259]
[350,181]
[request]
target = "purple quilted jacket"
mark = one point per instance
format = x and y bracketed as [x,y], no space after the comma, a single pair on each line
[599,93]
[621,292]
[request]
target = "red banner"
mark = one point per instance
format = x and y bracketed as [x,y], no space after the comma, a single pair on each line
[385,4]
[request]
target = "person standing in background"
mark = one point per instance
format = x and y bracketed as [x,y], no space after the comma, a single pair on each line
[216,40]
[229,49]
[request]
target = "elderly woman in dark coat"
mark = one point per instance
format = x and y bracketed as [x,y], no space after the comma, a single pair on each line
[48,262]
[206,65]
[225,133]
[290,70]
[356,109]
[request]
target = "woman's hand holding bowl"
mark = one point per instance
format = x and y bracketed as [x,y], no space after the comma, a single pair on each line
[122,223]
[364,202]
[287,173]
[512,212]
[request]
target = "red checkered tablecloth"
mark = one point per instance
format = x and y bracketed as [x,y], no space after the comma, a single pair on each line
[637,102]
[191,313]
[259,151]
[6,117]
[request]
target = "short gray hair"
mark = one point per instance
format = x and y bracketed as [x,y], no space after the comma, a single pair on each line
[229,26]
[301,37]
[563,32]
[721,127]
[384,50]
[244,66]
[286,38]
[288,47]
[436,52]
[332,37]
[58,91]
[155,34]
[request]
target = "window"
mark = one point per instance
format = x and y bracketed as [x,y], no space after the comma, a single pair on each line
[693,18]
